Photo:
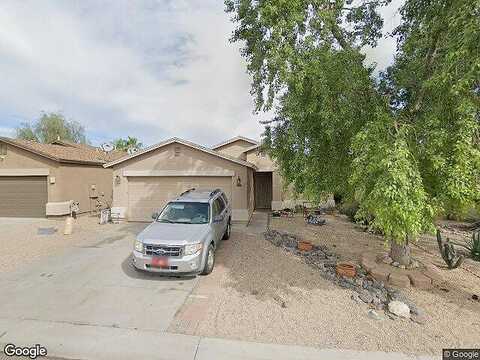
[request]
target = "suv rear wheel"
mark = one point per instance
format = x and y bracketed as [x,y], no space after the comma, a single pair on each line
[210,261]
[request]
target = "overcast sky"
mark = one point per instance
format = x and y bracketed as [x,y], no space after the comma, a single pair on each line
[150,69]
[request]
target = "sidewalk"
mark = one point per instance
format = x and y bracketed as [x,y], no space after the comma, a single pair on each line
[77,341]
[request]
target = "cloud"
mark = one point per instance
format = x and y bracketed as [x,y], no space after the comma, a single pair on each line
[382,55]
[6,131]
[150,69]
[147,68]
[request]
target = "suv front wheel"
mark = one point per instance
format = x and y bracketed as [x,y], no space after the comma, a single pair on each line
[228,231]
[209,261]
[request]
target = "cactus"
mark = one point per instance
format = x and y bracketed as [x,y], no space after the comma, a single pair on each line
[474,246]
[448,252]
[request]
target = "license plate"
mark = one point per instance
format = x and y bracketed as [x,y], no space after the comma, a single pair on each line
[160,262]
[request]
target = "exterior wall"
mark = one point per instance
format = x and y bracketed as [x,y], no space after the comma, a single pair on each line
[189,161]
[21,161]
[235,149]
[262,161]
[79,182]
[281,198]
[65,182]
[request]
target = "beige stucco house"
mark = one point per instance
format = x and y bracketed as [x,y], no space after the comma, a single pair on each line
[143,182]
[36,180]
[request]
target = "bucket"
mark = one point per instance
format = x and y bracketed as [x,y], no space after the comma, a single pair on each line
[346,269]
[305,246]
[68,226]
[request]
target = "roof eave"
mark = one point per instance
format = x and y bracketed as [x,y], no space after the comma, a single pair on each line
[41,153]
[26,148]
[232,140]
[183,142]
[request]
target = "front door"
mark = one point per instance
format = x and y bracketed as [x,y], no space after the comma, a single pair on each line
[263,190]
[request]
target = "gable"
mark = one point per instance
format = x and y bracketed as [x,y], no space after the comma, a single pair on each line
[235,148]
[186,144]
[178,158]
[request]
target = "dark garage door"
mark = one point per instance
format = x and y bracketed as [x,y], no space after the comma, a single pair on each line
[23,196]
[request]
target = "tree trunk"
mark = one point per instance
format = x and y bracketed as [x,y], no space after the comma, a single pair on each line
[400,252]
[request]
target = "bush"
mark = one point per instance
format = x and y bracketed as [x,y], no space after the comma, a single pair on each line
[349,209]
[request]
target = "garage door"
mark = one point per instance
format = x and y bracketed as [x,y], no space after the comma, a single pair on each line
[149,194]
[23,196]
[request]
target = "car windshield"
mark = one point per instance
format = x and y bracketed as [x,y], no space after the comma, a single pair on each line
[185,213]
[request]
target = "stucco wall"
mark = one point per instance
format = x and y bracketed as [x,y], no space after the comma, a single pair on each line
[188,161]
[235,149]
[75,183]
[263,162]
[20,160]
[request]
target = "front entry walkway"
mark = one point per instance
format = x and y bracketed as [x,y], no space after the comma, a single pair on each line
[258,222]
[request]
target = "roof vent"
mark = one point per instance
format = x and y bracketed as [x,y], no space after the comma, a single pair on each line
[177,150]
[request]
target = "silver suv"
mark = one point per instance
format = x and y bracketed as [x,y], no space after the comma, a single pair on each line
[184,236]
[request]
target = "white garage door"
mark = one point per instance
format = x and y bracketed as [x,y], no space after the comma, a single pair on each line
[149,194]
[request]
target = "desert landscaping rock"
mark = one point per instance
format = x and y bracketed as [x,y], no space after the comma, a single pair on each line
[399,308]
[419,319]
[370,290]
[419,280]
[372,314]
[380,273]
[368,262]
[399,279]
[366,297]
[433,273]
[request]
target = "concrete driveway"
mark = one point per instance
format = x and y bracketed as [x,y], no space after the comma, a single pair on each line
[89,284]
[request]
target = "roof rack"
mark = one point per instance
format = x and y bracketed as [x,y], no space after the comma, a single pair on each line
[187,191]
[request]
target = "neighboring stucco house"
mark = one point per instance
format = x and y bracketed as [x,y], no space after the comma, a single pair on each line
[143,182]
[35,178]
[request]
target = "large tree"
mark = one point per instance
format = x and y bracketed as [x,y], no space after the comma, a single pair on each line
[50,127]
[404,148]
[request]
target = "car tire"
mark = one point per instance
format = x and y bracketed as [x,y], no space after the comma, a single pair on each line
[209,261]
[228,231]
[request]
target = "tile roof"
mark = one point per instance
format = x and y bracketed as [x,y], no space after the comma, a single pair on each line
[74,153]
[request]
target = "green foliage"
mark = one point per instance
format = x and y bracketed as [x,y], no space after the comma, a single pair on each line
[405,147]
[128,143]
[51,127]
[26,132]
[387,182]
[275,32]
[435,86]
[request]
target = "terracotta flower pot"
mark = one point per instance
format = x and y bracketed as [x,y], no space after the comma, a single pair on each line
[345,269]
[305,246]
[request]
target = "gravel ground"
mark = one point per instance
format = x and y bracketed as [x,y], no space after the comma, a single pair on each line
[16,233]
[258,292]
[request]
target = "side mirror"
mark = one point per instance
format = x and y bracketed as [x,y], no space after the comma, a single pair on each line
[218,218]
[155,216]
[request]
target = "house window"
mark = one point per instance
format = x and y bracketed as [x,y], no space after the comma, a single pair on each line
[3,149]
